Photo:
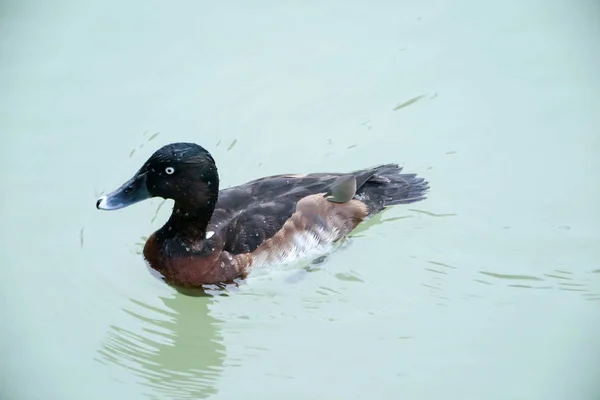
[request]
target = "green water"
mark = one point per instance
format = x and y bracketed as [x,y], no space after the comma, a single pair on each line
[489,289]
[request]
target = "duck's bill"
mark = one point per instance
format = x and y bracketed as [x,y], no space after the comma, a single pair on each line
[131,192]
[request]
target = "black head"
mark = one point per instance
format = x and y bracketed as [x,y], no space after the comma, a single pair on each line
[184,172]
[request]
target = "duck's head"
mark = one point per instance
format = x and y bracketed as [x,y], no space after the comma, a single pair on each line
[184,172]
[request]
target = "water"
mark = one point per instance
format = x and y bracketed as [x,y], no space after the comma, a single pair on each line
[489,289]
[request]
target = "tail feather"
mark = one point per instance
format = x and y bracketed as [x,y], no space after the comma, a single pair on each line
[387,186]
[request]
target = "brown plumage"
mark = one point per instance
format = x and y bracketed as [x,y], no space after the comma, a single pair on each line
[217,236]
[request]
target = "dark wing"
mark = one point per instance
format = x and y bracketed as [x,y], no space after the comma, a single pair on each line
[267,189]
[249,228]
[255,211]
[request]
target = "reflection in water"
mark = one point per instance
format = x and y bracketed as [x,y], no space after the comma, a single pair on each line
[176,351]
[377,219]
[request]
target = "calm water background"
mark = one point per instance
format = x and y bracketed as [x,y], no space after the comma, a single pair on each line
[489,289]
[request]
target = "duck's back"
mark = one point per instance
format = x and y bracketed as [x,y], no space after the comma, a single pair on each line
[249,214]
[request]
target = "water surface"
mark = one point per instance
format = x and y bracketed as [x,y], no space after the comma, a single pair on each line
[489,289]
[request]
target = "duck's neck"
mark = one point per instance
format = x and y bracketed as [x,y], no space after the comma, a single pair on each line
[182,235]
[189,222]
[191,214]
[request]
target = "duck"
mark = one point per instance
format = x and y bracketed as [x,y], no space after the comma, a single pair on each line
[218,236]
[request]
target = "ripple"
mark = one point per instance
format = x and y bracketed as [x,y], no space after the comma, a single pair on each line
[560,271]
[557,276]
[435,271]
[431,214]
[325,291]
[350,276]
[571,284]
[509,276]
[408,102]
[591,296]
[441,264]
[175,351]
[437,281]
[558,279]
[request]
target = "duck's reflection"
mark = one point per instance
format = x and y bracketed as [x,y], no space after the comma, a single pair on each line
[175,350]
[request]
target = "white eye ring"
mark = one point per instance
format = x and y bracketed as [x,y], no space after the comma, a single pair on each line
[169,170]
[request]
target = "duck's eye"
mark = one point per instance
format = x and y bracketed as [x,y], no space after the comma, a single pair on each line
[169,170]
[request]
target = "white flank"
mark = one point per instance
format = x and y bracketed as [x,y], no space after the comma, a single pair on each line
[303,244]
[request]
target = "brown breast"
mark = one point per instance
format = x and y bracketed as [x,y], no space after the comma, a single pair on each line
[194,270]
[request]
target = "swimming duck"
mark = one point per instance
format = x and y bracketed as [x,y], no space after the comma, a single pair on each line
[217,236]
